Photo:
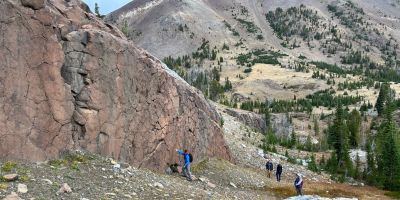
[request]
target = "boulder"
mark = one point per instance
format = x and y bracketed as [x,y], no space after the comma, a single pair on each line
[158,185]
[64,189]
[12,196]
[10,177]
[211,185]
[34,4]
[22,188]
[85,86]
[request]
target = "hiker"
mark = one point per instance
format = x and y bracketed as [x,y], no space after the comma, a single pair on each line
[278,172]
[187,160]
[298,183]
[269,166]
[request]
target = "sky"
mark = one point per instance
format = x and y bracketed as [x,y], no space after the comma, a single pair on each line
[106,6]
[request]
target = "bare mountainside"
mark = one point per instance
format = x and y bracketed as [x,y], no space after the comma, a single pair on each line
[361,37]
[69,81]
[173,27]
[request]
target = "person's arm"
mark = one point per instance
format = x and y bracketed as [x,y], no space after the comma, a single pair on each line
[298,183]
[179,151]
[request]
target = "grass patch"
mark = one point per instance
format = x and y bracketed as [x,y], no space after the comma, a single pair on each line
[73,160]
[282,191]
[8,166]
[3,186]
[393,194]
[58,163]
[200,166]
[24,178]
[75,165]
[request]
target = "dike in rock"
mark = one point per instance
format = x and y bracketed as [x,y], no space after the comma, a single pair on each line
[69,81]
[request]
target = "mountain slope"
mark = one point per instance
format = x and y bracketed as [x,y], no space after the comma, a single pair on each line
[155,24]
[358,36]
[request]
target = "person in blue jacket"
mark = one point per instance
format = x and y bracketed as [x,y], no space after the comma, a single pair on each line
[298,184]
[186,166]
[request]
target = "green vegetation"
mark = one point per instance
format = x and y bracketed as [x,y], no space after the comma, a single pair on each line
[250,26]
[384,162]
[330,68]
[324,98]
[312,165]
[71,159]
[259,56]
[338,135]
[234,32]
[8,166]
[292,22]
[124,28]
[97,11]
[3,186]
[206,81]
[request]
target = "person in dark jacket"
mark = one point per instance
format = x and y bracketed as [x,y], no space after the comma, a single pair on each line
[278,172]
[186,166]
[269,166]
[298,184]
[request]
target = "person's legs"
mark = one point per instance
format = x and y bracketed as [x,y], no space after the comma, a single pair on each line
[189,172]
[299,192]
[184,171]
[278,177]
[269,173]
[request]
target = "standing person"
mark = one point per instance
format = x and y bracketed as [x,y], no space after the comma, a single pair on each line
[278,172]
[298,184]
[269,166]
[187,160]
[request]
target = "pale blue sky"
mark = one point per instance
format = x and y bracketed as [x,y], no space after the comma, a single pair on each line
[106,6]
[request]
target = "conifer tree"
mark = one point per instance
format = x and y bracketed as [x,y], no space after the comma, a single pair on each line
[388,152]
[354,125]
[371,171]
[382,97]
[338,138]
[97,10]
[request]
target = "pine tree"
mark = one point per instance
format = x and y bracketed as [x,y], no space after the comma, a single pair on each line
[388,152]
[316,127]
[312,165]
[96,10]
[293,140]
[309,145]
[354,125]
[267,118]
[338,138]
[382,97]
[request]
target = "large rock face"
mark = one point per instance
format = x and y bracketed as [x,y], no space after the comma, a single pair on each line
[68,81]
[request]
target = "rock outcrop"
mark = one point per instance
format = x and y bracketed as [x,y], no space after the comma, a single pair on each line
[279,122]
[69,81]
[251,119]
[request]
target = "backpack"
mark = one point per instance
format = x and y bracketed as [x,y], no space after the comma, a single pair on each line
[190,158]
